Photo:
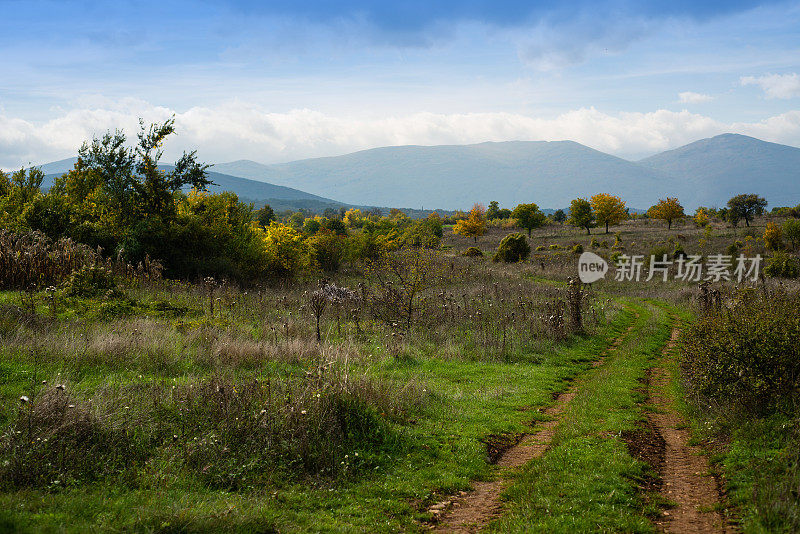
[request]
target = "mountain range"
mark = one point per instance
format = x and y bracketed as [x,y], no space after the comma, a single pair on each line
[551,173]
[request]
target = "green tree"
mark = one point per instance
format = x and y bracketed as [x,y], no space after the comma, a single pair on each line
[559,216]
[581,215]
[528,216]
[493,211]
[265,215]
[745,207]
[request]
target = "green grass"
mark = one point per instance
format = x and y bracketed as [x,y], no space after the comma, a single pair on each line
[587,481]
[437,453]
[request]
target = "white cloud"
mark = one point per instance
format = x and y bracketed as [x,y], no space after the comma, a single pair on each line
[688,97]
[776,85]
[243,131]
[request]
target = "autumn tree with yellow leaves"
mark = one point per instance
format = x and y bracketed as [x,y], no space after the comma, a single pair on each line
[474,225]
[608,209]
[668,209]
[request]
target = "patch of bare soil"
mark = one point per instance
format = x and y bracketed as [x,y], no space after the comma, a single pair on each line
[685,478]
[469,512]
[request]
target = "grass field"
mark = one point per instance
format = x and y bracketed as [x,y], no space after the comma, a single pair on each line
[172,407]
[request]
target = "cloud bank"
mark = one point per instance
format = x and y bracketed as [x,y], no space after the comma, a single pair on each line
[245,131]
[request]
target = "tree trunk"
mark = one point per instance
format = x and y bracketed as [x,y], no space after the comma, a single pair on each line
[669,224]
[588,231]
[529,232]
[606,227]
[319,336]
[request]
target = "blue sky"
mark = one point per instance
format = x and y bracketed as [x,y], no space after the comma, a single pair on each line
[276,81]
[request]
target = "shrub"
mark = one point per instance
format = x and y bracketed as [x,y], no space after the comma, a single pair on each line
[750,232]
[658,253]
[91,281]
[540,248]
[747,353]
[595,243]
[732,250]
[604,243]
[578,249]
[513,248]
[773,236]
[782,265]
[327,250]
[791,229]
[554,246]
[473,252]
[679,252]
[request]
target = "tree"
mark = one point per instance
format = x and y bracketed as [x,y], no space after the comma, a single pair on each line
[132,179]
[668,209]
[745,207]
[493,211]
[581,215]
[559,216]
[265,215]
[528,216]
[608,209]
[474,225]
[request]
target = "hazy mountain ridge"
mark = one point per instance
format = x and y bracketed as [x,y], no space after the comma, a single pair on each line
[706,172]
[717,168]
[455,176]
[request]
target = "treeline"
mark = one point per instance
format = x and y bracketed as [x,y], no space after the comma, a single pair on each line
[116,198]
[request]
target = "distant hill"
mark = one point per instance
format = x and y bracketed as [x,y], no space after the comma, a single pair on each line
[710,171]
[258,192]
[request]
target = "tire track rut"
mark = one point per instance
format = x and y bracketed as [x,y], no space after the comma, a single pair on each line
[472,511]
[684,471]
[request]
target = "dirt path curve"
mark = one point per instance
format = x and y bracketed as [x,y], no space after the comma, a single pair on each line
[684,471]
[472,511]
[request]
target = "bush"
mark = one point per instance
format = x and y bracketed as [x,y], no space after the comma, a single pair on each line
[595,243]
[732,250]
[91,281]
[747,353]
[327,250]
[473,252]
[679,252]
[513,248]
[658,252]
[578,249]
[773,236]
[782,265]
[540,248]
[554,246]
[791,229]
